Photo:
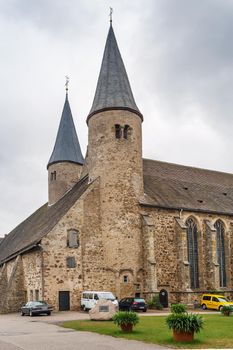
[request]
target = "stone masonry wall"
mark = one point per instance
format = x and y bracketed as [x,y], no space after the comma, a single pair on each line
[170,248]
[67,175]
[12,291]
[33,281]
[83,217]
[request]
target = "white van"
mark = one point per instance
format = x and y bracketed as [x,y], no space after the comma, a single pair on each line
[90,298]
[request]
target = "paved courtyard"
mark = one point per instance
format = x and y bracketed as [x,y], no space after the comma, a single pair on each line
[39,333]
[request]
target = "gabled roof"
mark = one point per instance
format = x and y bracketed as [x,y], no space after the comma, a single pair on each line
[66,148]
[176,186]
[113,88]
[30,232]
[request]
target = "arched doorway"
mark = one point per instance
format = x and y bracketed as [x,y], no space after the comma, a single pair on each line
[163,297]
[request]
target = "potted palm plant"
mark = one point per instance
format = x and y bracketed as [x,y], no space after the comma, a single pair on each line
[126,320]
[226,310]
[183,324]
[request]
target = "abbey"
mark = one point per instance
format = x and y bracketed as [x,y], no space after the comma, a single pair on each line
[117,222]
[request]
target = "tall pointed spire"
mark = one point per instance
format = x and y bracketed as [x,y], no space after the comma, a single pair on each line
[113,88]
[66,148]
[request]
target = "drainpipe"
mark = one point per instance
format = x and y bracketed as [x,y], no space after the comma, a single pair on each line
[42,271]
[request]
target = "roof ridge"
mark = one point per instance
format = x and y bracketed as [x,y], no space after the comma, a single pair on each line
[188,166]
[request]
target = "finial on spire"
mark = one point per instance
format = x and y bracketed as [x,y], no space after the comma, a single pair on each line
[66,84]
[110,14]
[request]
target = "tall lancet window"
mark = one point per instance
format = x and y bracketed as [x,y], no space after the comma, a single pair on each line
[192,243]
[220,232]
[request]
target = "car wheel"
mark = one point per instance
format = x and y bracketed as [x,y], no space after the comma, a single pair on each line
[49,313]
[30,313]
[22,313]
[220,308]
[204,307]
[145,310]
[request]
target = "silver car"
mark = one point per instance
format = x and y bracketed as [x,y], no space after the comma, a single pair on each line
[36,308]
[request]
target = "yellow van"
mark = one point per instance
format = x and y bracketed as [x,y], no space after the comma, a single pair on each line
[214,301]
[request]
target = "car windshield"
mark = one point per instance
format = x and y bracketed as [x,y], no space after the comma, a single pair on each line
[222,300]
[108,296]
[139,300]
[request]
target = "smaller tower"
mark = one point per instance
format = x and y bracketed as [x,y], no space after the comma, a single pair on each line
[65,164]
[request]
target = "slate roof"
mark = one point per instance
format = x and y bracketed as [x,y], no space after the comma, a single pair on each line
[29,233]
[113,89]
[67,147]
[183,187]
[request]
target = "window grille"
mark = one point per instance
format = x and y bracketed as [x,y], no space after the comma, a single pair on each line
[220,233]
[192,243]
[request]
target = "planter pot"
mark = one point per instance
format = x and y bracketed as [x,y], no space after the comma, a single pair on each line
[127,327]
[182,336]
[226,313]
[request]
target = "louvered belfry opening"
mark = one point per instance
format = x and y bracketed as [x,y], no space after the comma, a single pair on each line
[192,244]
[220,233]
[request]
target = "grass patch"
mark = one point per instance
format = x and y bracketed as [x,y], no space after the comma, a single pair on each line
[217,332]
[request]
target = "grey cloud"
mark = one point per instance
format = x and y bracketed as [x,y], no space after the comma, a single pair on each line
[191,43]
[178,55]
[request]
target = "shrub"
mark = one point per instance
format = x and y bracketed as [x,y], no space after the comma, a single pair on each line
[178,308]
[125,317]
[154,303]
[185,323]
[226,310]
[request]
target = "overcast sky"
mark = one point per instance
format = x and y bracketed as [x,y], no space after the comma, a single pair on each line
[179,59]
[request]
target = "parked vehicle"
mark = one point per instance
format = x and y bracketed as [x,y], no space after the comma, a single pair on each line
[214,301]
[36,308]
[90,298]
[133,304]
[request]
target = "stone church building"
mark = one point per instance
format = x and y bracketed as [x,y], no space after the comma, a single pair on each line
[117,222]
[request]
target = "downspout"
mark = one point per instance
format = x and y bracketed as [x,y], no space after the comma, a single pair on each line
[42,271]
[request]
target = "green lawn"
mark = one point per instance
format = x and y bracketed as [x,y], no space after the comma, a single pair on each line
[217,332]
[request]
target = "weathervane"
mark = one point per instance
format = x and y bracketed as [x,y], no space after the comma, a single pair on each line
[110,14]
[66,84]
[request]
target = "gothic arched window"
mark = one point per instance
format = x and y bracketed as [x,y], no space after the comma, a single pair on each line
[221,252]
[192,245]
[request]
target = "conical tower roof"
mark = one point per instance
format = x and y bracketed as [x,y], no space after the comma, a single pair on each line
[113,88]
[66,148]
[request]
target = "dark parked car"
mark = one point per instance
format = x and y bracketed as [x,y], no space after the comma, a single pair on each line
[36,308]
[132,304]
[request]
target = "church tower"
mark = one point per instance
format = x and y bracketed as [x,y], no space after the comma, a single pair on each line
[115,157]
[65,164]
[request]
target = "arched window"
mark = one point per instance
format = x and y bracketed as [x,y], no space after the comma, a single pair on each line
[53,176]
[221,252]
[192,244]
[118,131]
[126,131]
